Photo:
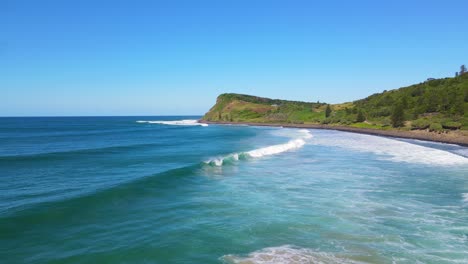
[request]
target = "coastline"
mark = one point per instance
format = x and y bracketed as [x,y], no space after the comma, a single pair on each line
[416,134]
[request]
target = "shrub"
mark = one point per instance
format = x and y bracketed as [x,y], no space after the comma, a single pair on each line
[345,122]
[360,117]
[297,122]
[452,125]
[386,122]
[420,124]
[326,121]
[328,111]
[436,127]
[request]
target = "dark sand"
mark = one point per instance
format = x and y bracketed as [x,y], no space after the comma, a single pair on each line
[452,137]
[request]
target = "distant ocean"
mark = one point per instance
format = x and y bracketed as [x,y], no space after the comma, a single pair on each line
[169,190]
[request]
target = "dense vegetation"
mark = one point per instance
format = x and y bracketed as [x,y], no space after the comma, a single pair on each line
[440,103]
[436,105]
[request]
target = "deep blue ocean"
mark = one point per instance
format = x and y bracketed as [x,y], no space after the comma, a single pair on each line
[169,190]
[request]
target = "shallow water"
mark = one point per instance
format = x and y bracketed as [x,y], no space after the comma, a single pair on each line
[114,190]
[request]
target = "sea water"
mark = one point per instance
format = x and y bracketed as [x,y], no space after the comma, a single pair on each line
[170,190]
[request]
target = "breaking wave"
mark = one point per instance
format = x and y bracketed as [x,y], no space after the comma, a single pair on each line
[266,151]
[186,122]
[285,255]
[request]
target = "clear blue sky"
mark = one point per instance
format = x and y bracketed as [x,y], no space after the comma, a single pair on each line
[174,57]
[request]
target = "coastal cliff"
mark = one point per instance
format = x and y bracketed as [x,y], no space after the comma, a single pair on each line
[436,110]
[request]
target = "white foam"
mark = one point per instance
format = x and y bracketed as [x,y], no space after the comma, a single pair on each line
[285,255]
[390,149]
[276,149]
[296,143]
[465,197]
[186,122]
[220,161]
[306,133]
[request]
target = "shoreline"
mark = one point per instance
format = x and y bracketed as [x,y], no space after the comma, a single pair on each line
[415,134]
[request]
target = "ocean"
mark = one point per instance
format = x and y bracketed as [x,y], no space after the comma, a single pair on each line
[170,190]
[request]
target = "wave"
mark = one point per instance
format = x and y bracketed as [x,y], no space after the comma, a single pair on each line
[186,122]
[71,205]
[286,254]
[71,153]
[465,197]
[390,149]
[127,189]
[66,134]
[266,151]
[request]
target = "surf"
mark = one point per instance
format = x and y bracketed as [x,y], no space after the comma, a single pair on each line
[292,144]
[286,254]
[185,122]
[389,149]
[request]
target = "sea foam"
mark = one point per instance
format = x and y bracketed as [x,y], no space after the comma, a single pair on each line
[295,143]
[285,255]
[389,149]
[186,122]
[465,197]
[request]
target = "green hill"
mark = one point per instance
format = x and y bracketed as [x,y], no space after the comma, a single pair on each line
[435,105]
[246,108]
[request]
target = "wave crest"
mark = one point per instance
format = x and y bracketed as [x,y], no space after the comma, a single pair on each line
[286,255]
[276,149]
[186,122]
[262,152]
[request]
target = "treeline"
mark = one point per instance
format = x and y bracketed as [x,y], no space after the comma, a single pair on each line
[263,100]
[442,101]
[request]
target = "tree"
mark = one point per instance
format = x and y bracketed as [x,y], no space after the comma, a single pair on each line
[398,116]
[462,69]
[404,102]
[328,111]
[458,103]
[431,101]
[360,117]
[456,74]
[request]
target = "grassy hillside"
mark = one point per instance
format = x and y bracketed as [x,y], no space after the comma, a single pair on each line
[246,108]
[436,105]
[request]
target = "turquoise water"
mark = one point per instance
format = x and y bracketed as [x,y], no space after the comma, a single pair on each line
[114,190]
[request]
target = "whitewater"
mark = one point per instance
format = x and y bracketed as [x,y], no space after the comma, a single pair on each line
[292,144]
[186,122]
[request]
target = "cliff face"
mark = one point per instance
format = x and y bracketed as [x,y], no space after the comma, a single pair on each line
[245,108]
[437,105]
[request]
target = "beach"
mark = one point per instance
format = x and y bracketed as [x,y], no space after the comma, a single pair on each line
[450,137]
